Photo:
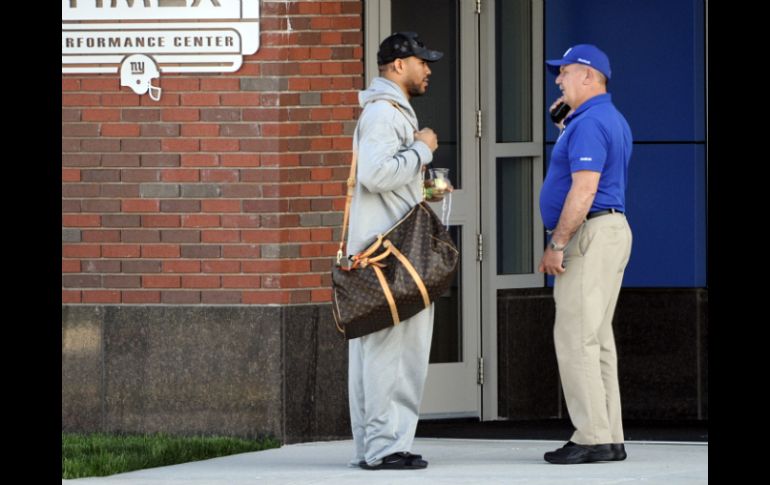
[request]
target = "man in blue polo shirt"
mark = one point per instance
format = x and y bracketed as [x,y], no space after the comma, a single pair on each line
[582,204]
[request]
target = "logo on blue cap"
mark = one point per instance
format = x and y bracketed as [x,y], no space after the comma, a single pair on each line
[586,54]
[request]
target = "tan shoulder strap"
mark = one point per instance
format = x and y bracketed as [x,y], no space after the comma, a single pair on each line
[348,198]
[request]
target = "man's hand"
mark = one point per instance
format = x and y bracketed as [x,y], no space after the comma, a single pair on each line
[559,125]
[552,262]
[427,136]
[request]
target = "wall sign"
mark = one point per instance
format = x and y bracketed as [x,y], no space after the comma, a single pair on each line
[142,38]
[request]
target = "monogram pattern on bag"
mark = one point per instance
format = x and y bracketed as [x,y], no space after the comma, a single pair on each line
[359,304]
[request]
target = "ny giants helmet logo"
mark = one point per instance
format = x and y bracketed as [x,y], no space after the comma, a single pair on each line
[137,72]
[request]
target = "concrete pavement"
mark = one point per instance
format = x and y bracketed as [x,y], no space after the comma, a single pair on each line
[451,461]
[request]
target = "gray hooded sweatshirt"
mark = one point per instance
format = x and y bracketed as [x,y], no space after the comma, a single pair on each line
[389,178]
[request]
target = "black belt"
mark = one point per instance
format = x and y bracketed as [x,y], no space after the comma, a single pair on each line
[603,213]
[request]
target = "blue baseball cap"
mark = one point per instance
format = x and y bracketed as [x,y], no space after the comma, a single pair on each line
[586,54]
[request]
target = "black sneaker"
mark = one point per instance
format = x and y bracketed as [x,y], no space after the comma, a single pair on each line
[398,461]
[618,451]
[573,453]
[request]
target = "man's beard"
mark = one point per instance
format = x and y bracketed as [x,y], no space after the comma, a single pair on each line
[415,89]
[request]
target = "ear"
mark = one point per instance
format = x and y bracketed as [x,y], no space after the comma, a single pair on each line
[399,65]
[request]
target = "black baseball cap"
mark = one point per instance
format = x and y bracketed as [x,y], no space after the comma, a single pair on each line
[405,44]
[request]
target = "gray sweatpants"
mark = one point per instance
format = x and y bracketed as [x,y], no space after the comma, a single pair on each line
[386,378]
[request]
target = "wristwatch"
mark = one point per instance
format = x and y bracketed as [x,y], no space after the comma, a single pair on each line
[556,247]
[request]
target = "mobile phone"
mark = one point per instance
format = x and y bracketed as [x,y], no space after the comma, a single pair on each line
[559,112]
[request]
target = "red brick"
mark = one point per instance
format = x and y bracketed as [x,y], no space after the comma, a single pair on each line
[296,266]
[220,206]
[219,145]
[70,296]
[321,144]
[160,251]
[299,84]
[321,174]
[70,175]
[279,220]
[331,38]
[182,266]
[195,220]
[134,296]
[266,297]
[249,69]
[121,99]
[161,220]
[180,84]
[120,251]
[180,145]
[70,84]
[282,159]
[100,236]
[297,235]
[180,174]
[262,114]
[200,99]
[308,281]
[320,296]
[311,251]
[261,236]
[80,100]
[180,297]
[241,251]
[168,99]
[240,160]
[90,220]
[101,296]
[220,84]
[240,281]
[240,99]
[221,267]
[220,297]
[321,235]
[201,282]
[220,236]
[199,160]
[334,189]
[100,84]
[70,266]
[107,114]
[240,221]
[161,281]
[320,114]
[219,175]
[140,115]
[140,205]
[200,129]
[328,129]
[263,266]
[300,296]
[180,114]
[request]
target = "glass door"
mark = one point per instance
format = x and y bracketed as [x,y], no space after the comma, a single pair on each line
[511,163]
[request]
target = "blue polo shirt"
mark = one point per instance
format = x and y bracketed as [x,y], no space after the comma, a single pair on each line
[596,137]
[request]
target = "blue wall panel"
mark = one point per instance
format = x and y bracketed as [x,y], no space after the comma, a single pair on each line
[656,49]
[665,205]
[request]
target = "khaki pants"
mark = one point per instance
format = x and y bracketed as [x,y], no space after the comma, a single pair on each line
[585,296]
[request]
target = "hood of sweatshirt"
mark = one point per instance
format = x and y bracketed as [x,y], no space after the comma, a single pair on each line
[381,88]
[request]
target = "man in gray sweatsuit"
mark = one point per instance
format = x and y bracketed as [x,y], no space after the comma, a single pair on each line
[387,369]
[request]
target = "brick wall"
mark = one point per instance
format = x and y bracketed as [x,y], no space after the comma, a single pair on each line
[229,190]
